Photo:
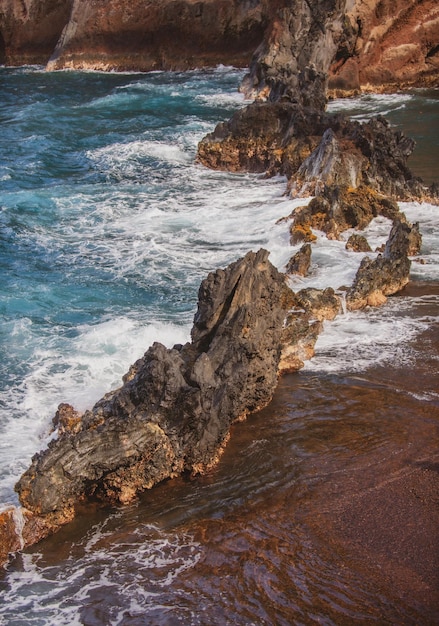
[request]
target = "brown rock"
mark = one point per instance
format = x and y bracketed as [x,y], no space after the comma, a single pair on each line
[358,243]
[320,304]
[387,45]
[67,420]
[304,324]
[387,274]
[162,35]
[337,209]
[9,536]
[29,30]
[300,262]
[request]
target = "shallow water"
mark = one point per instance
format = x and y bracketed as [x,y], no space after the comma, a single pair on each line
[323,509]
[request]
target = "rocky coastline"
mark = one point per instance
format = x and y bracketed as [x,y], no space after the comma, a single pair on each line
[174,410]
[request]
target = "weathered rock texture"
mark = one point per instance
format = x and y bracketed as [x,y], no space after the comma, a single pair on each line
[387,274]
[30,30]
[314,150]
[387,45]
[174,411]
[296,44]
[297,51]
[132,35]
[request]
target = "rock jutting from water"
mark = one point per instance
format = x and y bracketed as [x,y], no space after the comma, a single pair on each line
[175,408]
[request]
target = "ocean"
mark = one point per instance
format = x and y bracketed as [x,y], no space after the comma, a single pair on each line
[107,227]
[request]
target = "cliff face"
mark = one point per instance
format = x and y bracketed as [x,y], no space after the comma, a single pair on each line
[367,44]
[29,30]
[387,44]
[293,60]
[132,34]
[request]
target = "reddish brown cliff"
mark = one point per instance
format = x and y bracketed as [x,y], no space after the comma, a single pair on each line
[29,30]
[131,35]
[364,44]
[387,45]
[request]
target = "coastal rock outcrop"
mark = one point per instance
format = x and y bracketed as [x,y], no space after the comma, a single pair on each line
[310,307]
[295,45]
[29,31]
[300,262]
[314,150]
[293,60]
[174,411]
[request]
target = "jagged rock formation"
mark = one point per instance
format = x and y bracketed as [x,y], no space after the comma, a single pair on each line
[310,307]
[300,262]
[338,209]
[296,44]
[358,243]
[387,274]
[174,411]
[293,61]
[314,150]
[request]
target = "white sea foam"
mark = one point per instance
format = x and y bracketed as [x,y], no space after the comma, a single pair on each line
[126,569]
[357,340]
[78,371]
[362,108]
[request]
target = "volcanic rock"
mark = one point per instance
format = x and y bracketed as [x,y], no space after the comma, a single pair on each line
[358,243]
[174,411]
[386,275]
[303,325]
[132,35]
[292,62]
[300,262]
[314,150]
[387,45]
[339,208]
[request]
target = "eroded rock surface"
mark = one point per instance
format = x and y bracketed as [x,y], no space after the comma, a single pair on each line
[175,408]
[387,45]
[314,150]
[293,60]
[385,275]
[132,35]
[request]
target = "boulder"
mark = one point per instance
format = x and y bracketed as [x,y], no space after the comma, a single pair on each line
[338,209]
[303,325]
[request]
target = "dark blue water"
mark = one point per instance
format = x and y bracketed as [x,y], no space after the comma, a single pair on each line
[107,226]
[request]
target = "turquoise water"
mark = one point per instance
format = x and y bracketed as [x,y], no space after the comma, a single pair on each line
[107,226]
